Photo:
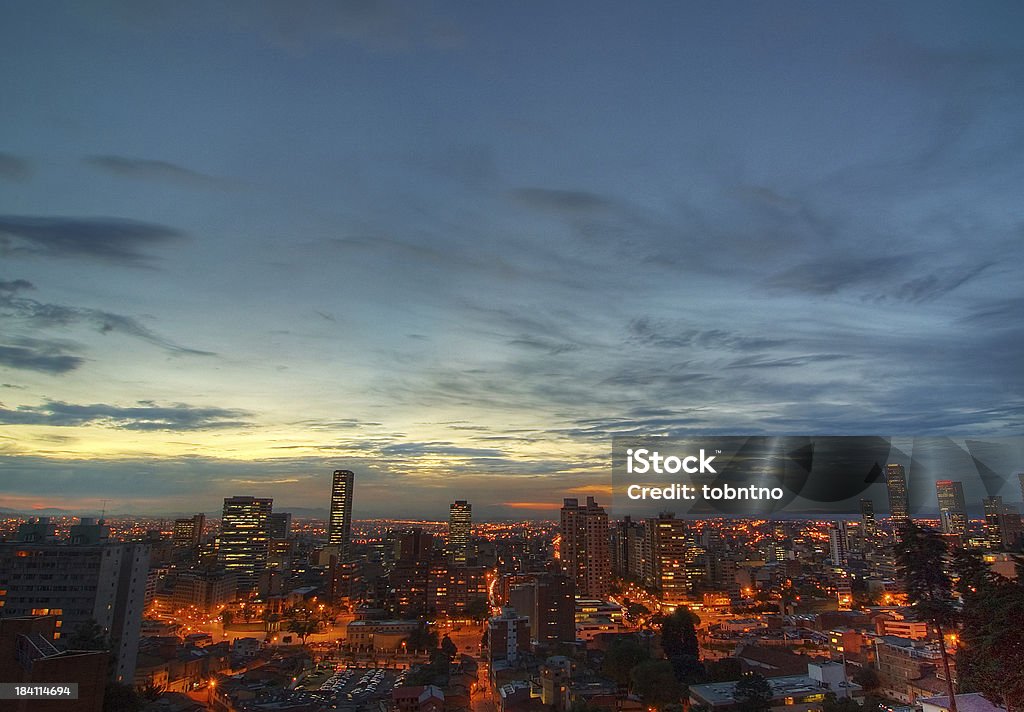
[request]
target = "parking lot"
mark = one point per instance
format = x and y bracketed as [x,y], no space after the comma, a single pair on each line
[352,687]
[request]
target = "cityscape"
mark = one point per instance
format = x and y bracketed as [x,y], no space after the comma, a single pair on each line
[576,356]
[258,610]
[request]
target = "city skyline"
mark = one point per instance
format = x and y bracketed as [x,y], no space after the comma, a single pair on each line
[455,249]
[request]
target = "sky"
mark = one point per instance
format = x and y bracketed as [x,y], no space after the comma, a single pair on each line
[456,247]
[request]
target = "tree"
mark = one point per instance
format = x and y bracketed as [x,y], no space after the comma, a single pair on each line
[990,654]
[753,693]
[449,648]
[227,617]
[724,670]
[655,681]
[422,639]
[477,609]
[88,635]
[303,623]
[867,678]
[121,698]
[624,654]
[921,562]
[679,641]
[833,704]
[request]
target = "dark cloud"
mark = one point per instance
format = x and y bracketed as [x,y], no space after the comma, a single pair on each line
[791,362]
[34,314]
[111,240]
[145,416]
[935,284]
[831,274]
[654,332]
[149,169]
[14,286]
[14,168]
[37,355]
[418,449]
[571,201]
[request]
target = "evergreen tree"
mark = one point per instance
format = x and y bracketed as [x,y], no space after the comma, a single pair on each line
[990,655]
[623,655]
[655,682]
[679,641]
[753,693]
[921,561]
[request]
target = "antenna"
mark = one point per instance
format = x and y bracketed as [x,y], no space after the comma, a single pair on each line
[103,514]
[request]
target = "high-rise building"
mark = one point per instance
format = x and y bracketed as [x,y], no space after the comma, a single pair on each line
[952,509]
[585,547]
[899,505]
[838,545]
[460,524]
[670,551]
[993,520]
[279,525]
[548,600]
[188,532]
[339,527]
[96,580]
[868,525]
[245,538]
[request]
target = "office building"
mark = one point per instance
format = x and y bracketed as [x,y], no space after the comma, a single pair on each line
[952,509]
[245,539]
[279,525]
[670,549]
[899,503]
[548,600]
[868,525]
[339,526]
[585,544]
[81,579]
[188,532]
[460,524]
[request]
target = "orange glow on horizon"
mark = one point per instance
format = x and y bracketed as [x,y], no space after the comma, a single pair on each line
[532,505]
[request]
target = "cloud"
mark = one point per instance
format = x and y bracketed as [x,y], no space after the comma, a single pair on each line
[15,286]
[37,355]
[149,169]
[145,416]
[570,201]
[38,315]
[14,168]
[112,240]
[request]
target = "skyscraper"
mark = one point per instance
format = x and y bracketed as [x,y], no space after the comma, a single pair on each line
[952,509]
[460,524]
[994,521]
[585,547]
[838,544]
[245,538]
[868,525]
[279,525]
[896,484]
[339,530]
